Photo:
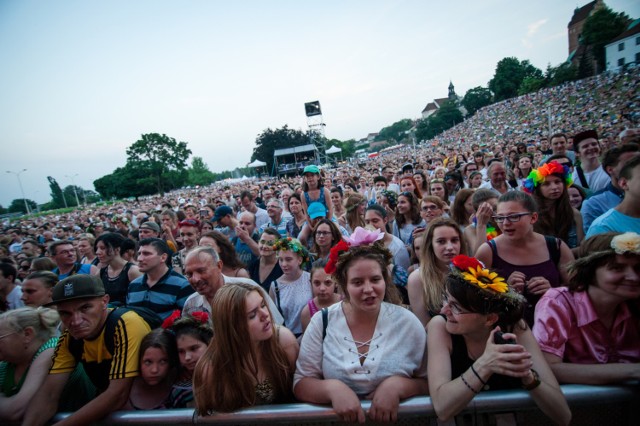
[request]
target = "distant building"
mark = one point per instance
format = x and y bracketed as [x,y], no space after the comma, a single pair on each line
[432,107]
[624,49]
[574,29]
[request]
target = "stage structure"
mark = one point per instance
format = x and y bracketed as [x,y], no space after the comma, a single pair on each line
[291,161]
[316,128]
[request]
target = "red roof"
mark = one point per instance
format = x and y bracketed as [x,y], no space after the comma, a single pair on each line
[628,33]
[582,13]
[430,107]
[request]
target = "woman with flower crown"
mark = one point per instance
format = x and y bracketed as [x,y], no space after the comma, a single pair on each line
[590,332]
[480,342]
[353,349]
[532,263]
[549,185]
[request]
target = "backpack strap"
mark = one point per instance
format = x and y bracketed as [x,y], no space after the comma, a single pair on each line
[553,245]
[583,179]
[276,290]
[76,346]
[325,321]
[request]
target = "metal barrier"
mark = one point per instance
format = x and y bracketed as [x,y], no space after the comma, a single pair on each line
[613,405]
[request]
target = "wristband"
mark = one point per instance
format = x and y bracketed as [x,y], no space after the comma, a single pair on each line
[535,383]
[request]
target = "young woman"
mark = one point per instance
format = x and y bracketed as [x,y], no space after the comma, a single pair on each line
[548,185]
[206,227]
[482,228]
[466,354]
[314,190]
[416,248]
[532,262]
[475,180]
[388,200]
[292,290]
[407,217]
[298,216]
[27,342]
[250,360]
[353,217]
[231,266]
[462,209]
[325,235]
[408,184]
[266,268]
[422,182]
[431,208]
[577,195]
[159,363]
[376,217]
[37,288]
[337,203]
[85,249]
[117,272]
[442,242]
[439,189]
[323,288]
[589,332]
[522,167]
[357,353]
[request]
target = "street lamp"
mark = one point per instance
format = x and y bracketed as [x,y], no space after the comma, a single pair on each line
[74,188]
[26,205]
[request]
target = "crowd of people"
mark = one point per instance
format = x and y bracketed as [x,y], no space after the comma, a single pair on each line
[503,257]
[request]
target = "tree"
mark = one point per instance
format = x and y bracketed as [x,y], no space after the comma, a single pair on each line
[163,157]
[560,74]
[531,84]
[2,210]
[599,29]
[199,173]
[476,98]
[509,75]
[447,116]
[17,206]
[128,181]
[58,199]
[270,140]
[396,132]
[348,147]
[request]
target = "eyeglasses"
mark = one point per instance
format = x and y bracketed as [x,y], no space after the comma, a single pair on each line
[64,252]
[273,207]
[8,334]
[323,233]
[454,307]
[512,218]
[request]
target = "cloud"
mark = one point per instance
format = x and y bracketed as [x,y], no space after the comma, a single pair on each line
[532,29]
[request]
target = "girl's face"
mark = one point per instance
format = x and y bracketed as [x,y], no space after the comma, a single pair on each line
[524,163]
[417,245]
[258,318]
[35,294]
[439,174]
[476,181]
[618,279]
[537,157]
[575,198]
[206,227]
[437,190]
[84,248]
[294,206]
[336,199]
[515,229]
[404,205]
[265,245]
[209,242]
[418,179]
[289,261]
[365,285]
[468,206]
[446,244]
[190,350]
[362,207]
[154,366]
[407,185]
[373,218]
[430,211]
[105,254]
[552,187]
[323,236]
[312,180]
[322,286]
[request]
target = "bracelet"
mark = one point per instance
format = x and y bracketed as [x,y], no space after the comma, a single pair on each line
[484,384]
[535,383]
[468,385]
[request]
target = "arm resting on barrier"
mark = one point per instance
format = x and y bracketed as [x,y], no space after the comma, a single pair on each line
[385,400]
[46,400]
[592,374]
[344,401]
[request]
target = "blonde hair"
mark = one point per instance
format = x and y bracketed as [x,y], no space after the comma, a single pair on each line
[44,321]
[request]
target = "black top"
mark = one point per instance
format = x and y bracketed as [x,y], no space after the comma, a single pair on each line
[254,273]
[116,287]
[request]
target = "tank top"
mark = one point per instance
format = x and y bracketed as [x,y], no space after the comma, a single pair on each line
[312,308]
[320,199]
[547,269]
[116,287]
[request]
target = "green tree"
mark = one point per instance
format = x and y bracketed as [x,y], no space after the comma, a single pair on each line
[447,116]
[58,199]
[476,98]
[163,157]
[531,84]
[599,29]
[560,74]
[17,206]
[348,148]
[270,140]
[509,75]
[128,181]
[396,132]
[2,210]
[199,173]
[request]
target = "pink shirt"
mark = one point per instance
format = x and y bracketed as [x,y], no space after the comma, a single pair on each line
[566,325]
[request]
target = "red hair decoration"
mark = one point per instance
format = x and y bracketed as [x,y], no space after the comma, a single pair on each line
[168,323]
[200,316]
[334,254]
[464,263]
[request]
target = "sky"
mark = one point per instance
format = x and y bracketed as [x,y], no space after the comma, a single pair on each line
[80,81]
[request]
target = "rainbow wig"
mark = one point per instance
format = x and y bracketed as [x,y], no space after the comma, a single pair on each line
[537,176]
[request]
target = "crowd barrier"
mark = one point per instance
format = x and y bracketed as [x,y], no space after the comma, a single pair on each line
[590,405]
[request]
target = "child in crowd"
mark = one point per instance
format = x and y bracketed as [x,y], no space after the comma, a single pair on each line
[313,190]
[324,293]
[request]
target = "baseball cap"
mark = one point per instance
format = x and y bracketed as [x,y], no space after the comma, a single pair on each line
[221,212]
[316,210]
[311,169]
[79,286]
[150,225]
[407,166]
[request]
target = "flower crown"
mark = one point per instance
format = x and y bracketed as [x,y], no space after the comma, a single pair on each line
[200,316]
[629,242]
[293,245]
[360,237]
[537,176]
[391,196]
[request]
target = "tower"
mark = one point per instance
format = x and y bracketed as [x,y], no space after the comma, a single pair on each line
[316,128]
[452,93]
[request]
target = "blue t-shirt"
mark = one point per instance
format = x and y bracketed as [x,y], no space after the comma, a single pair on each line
[614,221]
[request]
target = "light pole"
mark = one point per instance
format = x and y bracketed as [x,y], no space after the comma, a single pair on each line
[74,188]
[26,205]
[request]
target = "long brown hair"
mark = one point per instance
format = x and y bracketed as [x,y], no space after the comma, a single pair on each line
[353,217]
[554,218]
[458,211]
[226,375]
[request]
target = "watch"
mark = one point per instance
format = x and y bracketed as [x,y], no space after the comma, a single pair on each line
[535,383]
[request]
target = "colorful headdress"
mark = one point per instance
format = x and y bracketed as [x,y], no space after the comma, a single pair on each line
[200,316]
[360,237]
[293,245]
[537,176]
[392,197]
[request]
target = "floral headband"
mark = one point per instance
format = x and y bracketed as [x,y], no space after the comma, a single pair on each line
[360,237]
[629,242]
[537,176]
[200,316]
[391,196]
[293,245]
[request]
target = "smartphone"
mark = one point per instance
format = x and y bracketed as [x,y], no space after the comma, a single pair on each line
[203,213]
[499,340]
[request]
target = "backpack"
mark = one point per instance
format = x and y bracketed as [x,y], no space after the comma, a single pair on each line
[76,346]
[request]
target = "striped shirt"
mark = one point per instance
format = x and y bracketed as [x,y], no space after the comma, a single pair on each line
[168,294]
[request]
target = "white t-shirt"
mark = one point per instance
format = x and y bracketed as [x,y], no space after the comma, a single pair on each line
[14,299]
[597,179]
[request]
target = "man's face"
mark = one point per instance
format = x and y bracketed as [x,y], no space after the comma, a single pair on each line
[588,149]
[29,249]
[274,211]
[189,236]
[498,175]
[388,174]
[65,255]
[266,194]
[559,145]
[84,317]
[246,203]
[247,223]
[60,233]
[204,275]
[149,259]
[147,233]
[544,144]
[381,186]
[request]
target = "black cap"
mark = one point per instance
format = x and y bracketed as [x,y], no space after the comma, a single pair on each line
[80,286]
